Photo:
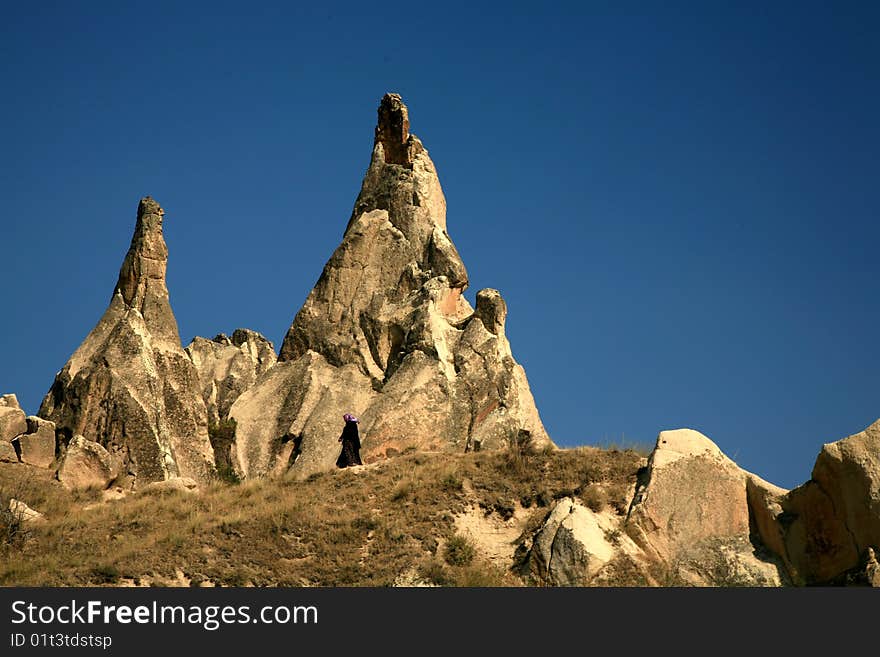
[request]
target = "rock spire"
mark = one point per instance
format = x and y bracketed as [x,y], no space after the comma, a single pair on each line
[129,386]
[387,334]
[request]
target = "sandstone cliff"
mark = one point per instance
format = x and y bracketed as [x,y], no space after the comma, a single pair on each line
[129,386]
[386,334]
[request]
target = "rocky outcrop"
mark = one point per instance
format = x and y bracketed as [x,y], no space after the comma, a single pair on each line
[824,528]
[698,519]
[229,366]
[689,524]
[690,514]
[12,418]
[387,334]
[130,386]
[690,492]
[87,465]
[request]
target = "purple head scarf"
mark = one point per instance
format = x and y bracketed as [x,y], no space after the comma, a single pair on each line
[348,417]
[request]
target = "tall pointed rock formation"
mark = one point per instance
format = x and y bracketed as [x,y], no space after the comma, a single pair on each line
[129,386]
[387,334]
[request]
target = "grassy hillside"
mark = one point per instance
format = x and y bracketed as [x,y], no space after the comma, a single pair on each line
[420,518]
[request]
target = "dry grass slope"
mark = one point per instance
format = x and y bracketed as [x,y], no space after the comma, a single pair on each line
[364,526]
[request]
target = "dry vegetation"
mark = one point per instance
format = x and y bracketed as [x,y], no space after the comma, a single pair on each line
[358,527]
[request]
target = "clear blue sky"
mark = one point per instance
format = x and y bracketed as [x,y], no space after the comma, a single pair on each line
[679,204]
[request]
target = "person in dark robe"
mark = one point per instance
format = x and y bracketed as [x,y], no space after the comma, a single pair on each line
[351,443]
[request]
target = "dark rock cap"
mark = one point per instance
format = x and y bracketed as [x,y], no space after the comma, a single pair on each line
[392,130]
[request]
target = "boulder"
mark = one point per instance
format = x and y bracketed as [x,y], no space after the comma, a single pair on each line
[130,386]
[37,446]
[86,464]
[12,418]
[229,366]
[571,546]
[691,492]
[388,335]
[23,512]
[691,513]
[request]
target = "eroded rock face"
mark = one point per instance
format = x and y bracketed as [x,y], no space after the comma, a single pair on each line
[37,446]
[7,452]
[302,427]
[691,513]
[692,492]
[730,561]
[129,385]
[229,366]
[386,334]
[824,528]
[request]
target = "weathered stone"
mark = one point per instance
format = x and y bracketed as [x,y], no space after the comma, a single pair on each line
[765,505]
[129,384]
[38,444]
[392,131]
[23,512]
[303,429]
[691,513]
[730,561]
[711,523]
[12,418]
[86,464]
[180,484]
[693,492]
[388,318]
[7,452]
[829,522]
[571,546]
[227,367]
